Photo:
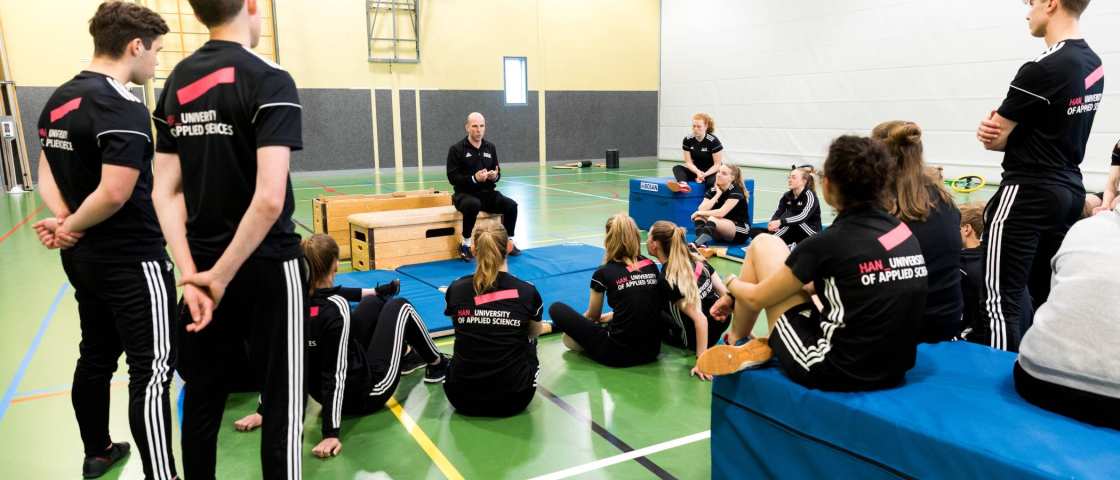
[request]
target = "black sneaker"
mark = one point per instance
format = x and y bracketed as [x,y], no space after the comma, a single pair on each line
[387,290]
[515,252]
[436,373]
[96,466]
[465,253]
[412,362]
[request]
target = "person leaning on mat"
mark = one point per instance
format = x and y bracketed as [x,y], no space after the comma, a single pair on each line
[472,168]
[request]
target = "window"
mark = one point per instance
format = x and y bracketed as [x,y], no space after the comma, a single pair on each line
[516,81]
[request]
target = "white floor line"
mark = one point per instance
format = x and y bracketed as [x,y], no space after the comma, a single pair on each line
[641,452]
[569,191]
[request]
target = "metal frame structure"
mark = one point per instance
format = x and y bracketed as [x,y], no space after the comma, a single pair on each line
[392,9]
[13,147]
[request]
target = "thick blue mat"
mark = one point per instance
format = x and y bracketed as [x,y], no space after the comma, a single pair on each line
[957,416]
[532,264]
[427,300]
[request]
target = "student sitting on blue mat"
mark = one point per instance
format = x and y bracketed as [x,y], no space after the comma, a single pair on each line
[868,271]
[633,287]
[798,215]
[971,267]
[355,360]
[693,286]
[497,318]
[1069,361]
[723,213]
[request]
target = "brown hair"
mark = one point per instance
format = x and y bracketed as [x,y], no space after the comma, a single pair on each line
[678,269]
[737,179]
[321,252]
[911,186]
[807,175]
[116,24]
[1076,7]
[972,214]
[858,169]
[707,121]
[623,241]
[213,13]
[490,241]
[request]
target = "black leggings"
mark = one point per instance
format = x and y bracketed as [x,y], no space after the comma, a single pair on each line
[595,340]
[477,402]
[683,174]
[469,204]
[1079,405]
[385,327]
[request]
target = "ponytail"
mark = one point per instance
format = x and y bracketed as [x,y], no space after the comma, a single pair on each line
[623,241]
[321,252]
[490,242]
[680,266]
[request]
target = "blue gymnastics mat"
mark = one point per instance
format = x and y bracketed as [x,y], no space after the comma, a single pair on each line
[957,416]
[531,265]
[427,300]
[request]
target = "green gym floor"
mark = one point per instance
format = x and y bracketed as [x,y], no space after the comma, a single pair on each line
[587,421]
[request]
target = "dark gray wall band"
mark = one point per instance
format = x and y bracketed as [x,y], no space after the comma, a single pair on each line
[337,130]
[512,128]
[408,128]
[584,125]
[385,141]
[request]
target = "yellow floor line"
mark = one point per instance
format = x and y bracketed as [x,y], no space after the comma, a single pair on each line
[422,439]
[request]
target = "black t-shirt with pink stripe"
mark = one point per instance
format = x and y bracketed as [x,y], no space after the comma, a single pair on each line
[492,346]
[637,294]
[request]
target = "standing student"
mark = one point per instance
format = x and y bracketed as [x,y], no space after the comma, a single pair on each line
[1042,128]
[703,155]
[723,214]
[95,176]
[473,170]
[971,267]
[497,318]
[692,287]
[928,209]
[633,288]
[798,215]
[355,359]
[868,271]
[228,121]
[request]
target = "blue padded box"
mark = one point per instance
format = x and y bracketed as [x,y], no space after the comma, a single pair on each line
[651,200]
[957,416]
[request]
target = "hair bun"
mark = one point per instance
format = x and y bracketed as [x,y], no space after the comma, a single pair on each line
[908,133]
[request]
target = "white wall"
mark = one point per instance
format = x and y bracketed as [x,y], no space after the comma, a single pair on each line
[784,77]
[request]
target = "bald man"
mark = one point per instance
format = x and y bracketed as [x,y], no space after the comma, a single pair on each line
[472,168]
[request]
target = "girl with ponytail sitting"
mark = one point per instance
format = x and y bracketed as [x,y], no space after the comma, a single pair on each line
[723,214]
[497,318]
[632,286]
[693,287]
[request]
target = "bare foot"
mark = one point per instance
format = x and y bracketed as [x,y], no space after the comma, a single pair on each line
[248,423]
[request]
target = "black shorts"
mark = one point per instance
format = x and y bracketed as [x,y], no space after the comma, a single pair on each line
[742,233]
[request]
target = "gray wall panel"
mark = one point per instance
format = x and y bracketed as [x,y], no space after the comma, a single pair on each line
[385,141]
[337,130]
[408,128]
[583,125]
[512,128]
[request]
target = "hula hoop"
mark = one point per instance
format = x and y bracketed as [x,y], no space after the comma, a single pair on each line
[968,184]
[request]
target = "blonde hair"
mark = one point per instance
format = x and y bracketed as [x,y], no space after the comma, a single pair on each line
[623,241]
[490,241]
[679,268]
[737,179]
[707,119]
[911,198]
[321,252]
[972,214]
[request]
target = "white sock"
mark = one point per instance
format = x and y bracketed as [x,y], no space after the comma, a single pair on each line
[467,241]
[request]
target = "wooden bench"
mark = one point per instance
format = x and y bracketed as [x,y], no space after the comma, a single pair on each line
[387,240]
[329,213]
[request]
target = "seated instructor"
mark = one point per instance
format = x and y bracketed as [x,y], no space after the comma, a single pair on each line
[472,168]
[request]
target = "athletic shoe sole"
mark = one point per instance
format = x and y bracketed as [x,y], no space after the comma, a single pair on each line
[434,380]
[676,187]
[726,359]
[413,369]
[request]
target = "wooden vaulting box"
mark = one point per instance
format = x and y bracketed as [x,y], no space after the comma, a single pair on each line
[387,240]
[330,213]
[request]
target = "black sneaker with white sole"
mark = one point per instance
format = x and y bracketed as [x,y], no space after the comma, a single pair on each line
[515,252]
[388,290]
[95,466]
[465,253]
[438,372]
[412,362]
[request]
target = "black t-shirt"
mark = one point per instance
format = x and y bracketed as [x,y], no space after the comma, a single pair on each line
[738,213]
[492,346]
[1054,100]
[217,108]
[1116,155]
[797,210]
[702,272]
[972,283]
[90,121]
[940,239]
[702,150]
[636,294]
[463,161]
[869,273]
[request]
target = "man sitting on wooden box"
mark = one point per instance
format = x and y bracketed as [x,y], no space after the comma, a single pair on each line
[472,168]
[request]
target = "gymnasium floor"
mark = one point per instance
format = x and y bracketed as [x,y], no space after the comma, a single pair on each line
[582,423]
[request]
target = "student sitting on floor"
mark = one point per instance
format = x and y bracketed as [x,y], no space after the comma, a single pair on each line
[972,266]
[693,286]
[497,319]
[868,271]
[928,209]
[355,359]
[723,213]
[798,215]
[632,285]
[1069,361]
